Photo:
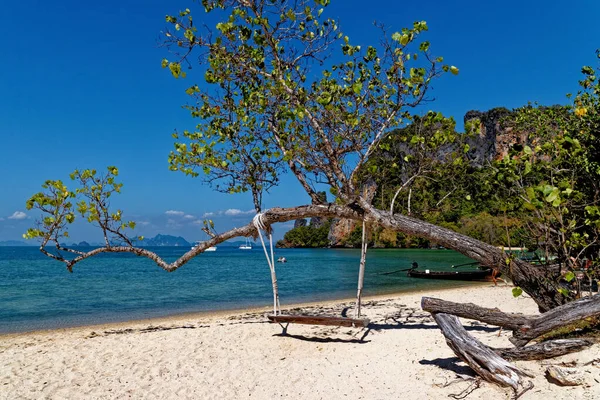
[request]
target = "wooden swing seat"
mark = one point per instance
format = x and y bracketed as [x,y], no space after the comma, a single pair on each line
[319,320]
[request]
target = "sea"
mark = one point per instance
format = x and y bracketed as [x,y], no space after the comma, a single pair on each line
[38,293]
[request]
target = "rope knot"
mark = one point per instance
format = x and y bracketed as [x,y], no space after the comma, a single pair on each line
[260,224]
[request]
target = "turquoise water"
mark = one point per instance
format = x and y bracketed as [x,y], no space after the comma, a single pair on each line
[39,293]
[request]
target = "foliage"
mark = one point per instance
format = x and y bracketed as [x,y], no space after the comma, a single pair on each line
[556,177]
[429,149]
[56,203]
[264,107]
[498,230]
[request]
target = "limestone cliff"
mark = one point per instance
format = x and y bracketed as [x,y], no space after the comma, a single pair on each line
[496,135]
[340,229]
[299,223]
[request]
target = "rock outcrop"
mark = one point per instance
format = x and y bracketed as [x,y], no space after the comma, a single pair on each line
[496,135]
[299,223]
[339,231]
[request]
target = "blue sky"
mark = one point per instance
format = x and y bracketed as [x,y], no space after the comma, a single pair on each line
[81,87]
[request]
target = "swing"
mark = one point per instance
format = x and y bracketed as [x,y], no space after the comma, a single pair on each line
[278,317]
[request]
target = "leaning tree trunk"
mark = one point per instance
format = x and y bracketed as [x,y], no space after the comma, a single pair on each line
[537,281]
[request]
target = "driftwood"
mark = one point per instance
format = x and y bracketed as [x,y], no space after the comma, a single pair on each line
[491,364]
[525,328]
[484,361]
[560,316]
[491,316]
[564,376]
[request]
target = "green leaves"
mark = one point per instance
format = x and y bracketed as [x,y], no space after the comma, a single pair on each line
[517,291]
[564,292]
[192,90]
[552,196]
[325,98]
[569,276]
[402,38]
[57,211]
[175,69]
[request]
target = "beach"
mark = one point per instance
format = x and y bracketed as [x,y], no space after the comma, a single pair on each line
[233,355]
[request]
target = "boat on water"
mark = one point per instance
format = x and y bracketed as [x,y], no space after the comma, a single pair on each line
[246,246]
[478,275]
[211,248]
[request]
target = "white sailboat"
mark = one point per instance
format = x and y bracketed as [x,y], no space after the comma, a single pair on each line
[246,246]
[198,243]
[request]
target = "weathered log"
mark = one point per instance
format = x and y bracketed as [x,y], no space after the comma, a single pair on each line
[525,327]
[558,317]
[472,311]
[545,350]
[482,359]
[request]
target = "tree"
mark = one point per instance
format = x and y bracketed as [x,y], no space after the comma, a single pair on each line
[555,180]
[264,110]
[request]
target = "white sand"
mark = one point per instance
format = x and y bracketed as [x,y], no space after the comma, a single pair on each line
[237,356]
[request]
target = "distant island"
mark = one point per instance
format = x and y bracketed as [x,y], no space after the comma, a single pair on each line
[163,240]
[16,243]
[158,240]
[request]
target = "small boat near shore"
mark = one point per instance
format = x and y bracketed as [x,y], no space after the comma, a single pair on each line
[479,275]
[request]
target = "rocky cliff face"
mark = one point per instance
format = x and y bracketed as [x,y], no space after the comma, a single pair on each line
[340,229]
[299,223]
[496,135]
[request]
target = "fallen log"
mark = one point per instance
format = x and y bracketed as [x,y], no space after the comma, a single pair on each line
[482,359]
[491,316]
[524,327]
[564,315]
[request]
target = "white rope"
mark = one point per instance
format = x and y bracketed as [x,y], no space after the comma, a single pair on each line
[260,226]
[361,270]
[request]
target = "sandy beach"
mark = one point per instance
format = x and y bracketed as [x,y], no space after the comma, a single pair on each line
[240,355]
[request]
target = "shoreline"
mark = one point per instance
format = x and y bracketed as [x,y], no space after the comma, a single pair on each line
[229,355]
[235,311]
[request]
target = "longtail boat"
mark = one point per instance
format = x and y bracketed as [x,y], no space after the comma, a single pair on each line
[478,275]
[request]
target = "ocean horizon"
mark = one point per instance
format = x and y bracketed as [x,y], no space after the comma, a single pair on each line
[38,293]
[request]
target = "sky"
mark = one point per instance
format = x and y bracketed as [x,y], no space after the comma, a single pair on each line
[81,86]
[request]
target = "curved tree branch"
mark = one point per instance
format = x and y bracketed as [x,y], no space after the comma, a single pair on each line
[521,272]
